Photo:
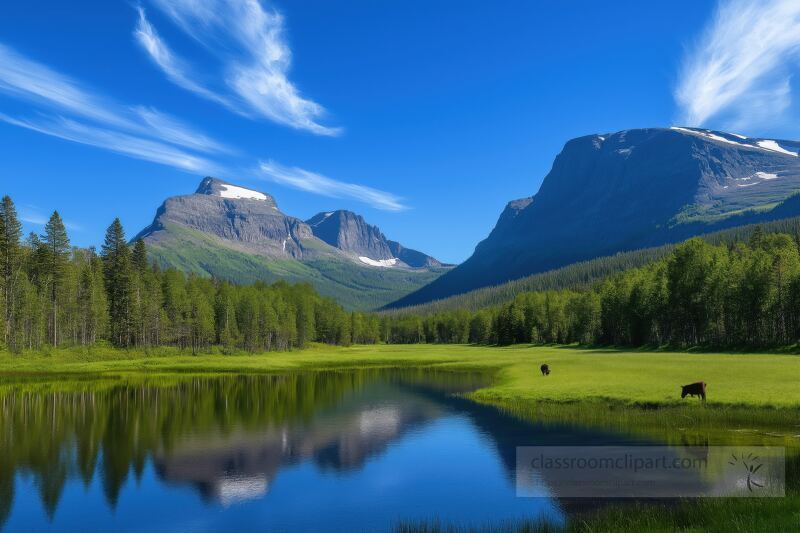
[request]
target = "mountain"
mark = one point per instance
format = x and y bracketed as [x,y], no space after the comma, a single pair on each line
[349,232]
[586,273]
[241,235]
[629,190]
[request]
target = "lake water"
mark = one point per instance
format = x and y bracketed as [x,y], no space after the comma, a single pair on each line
[327,451]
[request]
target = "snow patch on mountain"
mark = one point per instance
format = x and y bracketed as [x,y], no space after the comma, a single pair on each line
[766,175]
[386,263]
[708,135]
[236,193]
[766,144]
[775,147]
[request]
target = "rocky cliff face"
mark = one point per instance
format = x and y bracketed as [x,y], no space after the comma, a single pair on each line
[240,234]
[635,188]
[349,232]
[249,219]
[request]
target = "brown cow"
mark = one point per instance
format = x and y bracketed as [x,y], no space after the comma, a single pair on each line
[694,389]
[545,369]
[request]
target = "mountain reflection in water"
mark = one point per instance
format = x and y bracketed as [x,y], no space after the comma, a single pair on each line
[306,451]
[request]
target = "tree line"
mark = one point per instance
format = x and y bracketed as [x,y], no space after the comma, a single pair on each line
[583,274]
[736,294]
[723,292]
[57,295]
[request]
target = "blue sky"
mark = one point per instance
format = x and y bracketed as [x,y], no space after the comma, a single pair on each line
[425,117]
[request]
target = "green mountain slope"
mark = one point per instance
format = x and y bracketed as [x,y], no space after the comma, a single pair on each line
[585,273]
[355,287]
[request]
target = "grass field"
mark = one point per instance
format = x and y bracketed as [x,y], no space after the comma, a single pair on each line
[632,377]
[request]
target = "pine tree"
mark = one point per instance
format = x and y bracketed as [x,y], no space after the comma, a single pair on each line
[92,305]
[4,287]
[139,256]
[117,271]
[757,237]
[56,255]
[10,260]
[225,313]
[138,293]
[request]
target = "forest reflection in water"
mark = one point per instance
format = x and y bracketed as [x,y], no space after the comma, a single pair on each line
[226,436]
[327,450]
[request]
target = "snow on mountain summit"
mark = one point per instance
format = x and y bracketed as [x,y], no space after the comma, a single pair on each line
[740,140]
[234,192]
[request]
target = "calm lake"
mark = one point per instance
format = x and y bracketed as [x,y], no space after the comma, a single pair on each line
[322,451]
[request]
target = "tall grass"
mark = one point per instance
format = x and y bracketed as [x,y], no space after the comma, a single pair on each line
[713,515]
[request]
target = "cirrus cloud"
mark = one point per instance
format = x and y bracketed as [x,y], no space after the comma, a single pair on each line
[305,180]
[62,107]
[250,41]
[739,72]
[67,109]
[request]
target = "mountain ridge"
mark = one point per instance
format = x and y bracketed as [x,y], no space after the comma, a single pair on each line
[349,231]
[240,234]
[608,193]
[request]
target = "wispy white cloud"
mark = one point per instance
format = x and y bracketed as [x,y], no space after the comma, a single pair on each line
[739,72]
[70,111]
[33,218]
[64,108]
[114,141]
[173,130]
[23,78]
[176,69]
[325,186]
[251,43]
[33,215]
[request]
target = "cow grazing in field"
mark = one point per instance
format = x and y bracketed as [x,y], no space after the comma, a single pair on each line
[694,389]
[545,370]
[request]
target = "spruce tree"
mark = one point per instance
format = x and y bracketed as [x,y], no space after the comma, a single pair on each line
[56,256]
[10,259]
[757,237]
[117,270]
[139,304]
[139,257]
[4,287]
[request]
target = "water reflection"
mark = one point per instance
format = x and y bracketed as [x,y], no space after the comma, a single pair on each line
[227,437]
[357,418]
[312,451]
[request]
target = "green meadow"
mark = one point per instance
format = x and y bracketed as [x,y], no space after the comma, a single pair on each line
[577,374]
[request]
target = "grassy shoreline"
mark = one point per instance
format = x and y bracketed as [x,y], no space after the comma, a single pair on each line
[640,378]
[757,396]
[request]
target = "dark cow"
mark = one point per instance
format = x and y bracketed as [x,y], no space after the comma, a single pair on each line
[694,389]
[545,370]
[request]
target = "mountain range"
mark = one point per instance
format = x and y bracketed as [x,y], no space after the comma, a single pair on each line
[605,194]
[239,234]
[629,190]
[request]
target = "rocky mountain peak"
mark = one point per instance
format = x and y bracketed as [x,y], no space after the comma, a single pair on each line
[238,234]
[215,187]
[349,232]
[632,189]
